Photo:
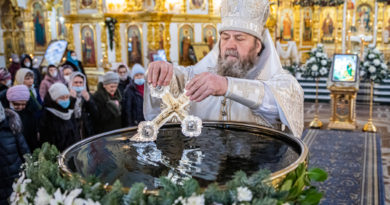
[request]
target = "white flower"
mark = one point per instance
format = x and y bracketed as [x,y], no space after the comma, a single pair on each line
[376,51]
[384,66]
[377,62]
[244,194]
[314,67]
[79,201]
[42,197]
[371,56]
[59,198]
[366,64]
[371,69]
[362,73]
[324,62]
[318,55]
[323,71]
[313,50]
[371,46]
[373,77]
[72,195]
[320,45]
[383,72]
[192,200]
[324,55]
[312,59]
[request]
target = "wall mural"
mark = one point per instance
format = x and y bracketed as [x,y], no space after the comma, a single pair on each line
[88,46]
[307,32]
[287,25]
[134,48]
[87,4]
[186,51]
[39,26]
[209,36]
[328,25]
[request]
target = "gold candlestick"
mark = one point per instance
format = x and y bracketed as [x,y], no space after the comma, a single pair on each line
[316,123]
[369,126]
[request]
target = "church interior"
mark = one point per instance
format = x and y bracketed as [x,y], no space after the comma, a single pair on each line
[346,113]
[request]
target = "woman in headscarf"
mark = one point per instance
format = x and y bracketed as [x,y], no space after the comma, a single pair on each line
[66,71]
[13,146]
[27,62]
[57,125]
[85,108]
[52,76]
[71,59]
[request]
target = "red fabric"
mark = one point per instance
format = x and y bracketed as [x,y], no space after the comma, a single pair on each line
[140,89]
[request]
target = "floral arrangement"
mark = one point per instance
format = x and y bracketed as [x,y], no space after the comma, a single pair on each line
[41,183]
[373,66]
[293,68]
[318,64]
[110,23]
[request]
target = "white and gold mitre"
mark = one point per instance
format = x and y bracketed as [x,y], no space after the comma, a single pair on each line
[247,16]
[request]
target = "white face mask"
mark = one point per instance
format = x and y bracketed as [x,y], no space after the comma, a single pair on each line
[28,64]
[54,74]
[74,57]
[67,78]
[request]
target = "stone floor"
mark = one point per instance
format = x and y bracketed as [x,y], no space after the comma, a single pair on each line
[381,119]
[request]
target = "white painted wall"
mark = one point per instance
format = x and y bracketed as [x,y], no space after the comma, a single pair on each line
[77,40]
[53,25]
[174,43]
[98,45]
[145,44]
[122,32]
[198,32]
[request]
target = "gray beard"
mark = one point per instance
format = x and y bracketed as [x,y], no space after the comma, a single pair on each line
[237,69]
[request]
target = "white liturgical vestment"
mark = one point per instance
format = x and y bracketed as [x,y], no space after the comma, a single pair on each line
[267,96]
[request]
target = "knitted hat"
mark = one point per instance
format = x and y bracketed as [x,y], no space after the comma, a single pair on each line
[110,78]
[18,93]
[137,68]
[4,74]
[57,90]
[21,74]
[248,16]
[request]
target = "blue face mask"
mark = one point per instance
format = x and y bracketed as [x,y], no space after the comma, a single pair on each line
[64,103]
[78,88]
[139,81]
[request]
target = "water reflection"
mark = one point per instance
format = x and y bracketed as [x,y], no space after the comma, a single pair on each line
[213,156]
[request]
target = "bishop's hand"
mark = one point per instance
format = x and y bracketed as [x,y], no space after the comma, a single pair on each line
[160,73]
[206,84]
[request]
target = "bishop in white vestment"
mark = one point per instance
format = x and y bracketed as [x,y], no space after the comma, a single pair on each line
[228,85]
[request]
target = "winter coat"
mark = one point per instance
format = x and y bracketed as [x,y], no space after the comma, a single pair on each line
[46,83]
[132,106]
[37,74]
[12,148]
[30,117]
[85,122]
[58,131]
[123,84]
[109,113]
[3,87]
[13,68]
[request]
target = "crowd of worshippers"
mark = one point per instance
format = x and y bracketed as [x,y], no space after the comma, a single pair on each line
[56,106]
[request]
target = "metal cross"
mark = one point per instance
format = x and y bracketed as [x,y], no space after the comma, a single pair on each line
[174,107]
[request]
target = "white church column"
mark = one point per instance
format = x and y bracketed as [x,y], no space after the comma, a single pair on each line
[174,45]
[344,26]
[99,44]
[77,40]
[53,24]
[198,32]
[122,32]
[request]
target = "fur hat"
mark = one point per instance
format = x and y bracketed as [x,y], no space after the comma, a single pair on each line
[57,90]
